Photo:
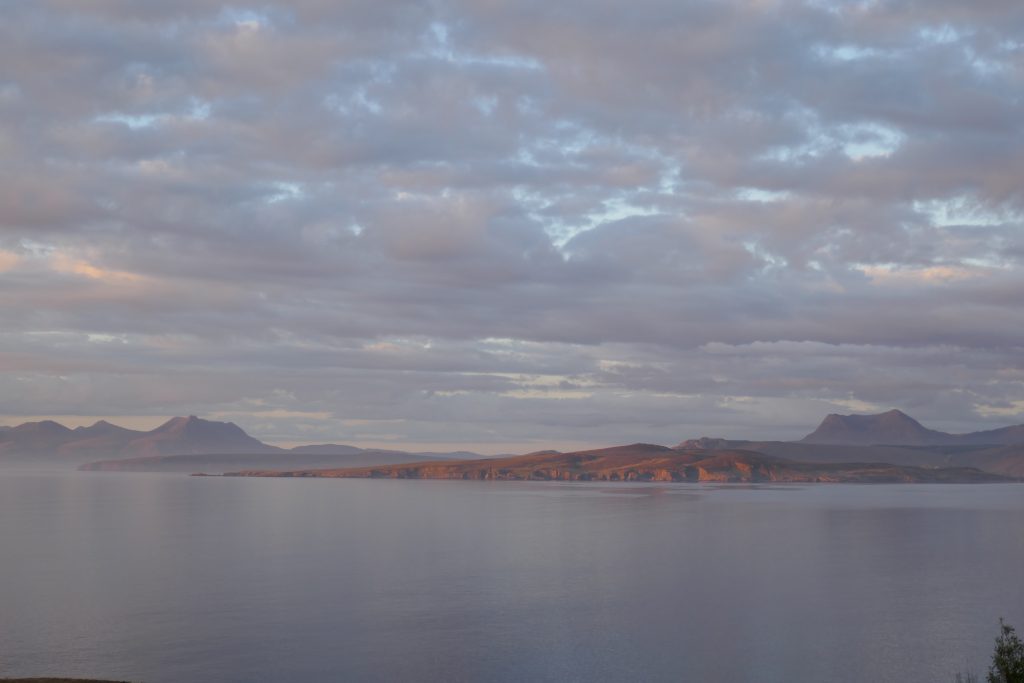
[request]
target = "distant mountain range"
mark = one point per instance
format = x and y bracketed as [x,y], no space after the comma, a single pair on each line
[892,437]
[896,428]
[102,439]
[191,444]
[179,444]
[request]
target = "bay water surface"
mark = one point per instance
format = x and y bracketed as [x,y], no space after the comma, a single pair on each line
[151,577]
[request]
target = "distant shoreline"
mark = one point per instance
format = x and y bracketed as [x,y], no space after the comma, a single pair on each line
[59,680]
[650,463]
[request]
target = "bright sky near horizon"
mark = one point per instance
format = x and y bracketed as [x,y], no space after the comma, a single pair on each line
[512,225]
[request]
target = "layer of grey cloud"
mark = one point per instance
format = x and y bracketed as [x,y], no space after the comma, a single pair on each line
[512,223]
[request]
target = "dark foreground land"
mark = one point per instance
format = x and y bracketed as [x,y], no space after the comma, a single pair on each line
[646,462]
[57,680]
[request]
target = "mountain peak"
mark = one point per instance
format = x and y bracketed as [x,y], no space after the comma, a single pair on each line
[103,428]
[195,435]
[893,427]
[97,425]
[175,436]
[896,414]
[41,427]
[177,423]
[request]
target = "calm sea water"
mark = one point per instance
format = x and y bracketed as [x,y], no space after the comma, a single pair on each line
[169,578]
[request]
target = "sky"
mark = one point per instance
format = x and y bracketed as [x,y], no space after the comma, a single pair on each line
[507,226]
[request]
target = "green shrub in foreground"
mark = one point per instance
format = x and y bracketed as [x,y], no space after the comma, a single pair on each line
[1008,658]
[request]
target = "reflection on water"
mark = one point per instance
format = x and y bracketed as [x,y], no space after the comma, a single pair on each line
[169,578]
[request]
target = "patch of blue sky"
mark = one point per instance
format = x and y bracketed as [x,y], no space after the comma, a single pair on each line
[671,181]
[528,106]
[788,154]
[849,52]
[857,141]
[993,261]
[769,261]
[989,65]
[284,191]
[133,121]
[525,157]
[362,98]
[942,34]
[102,338]
[815,143]
[438,45]
[612,210]
[826,5]
[246,17]
[963,211]
[868,140]
[568,140]
[197,110]
[486,104]
[356,101]
[36,249]
[357,98]
[756,194]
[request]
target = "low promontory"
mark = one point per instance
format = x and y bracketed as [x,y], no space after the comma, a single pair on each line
[647,462]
